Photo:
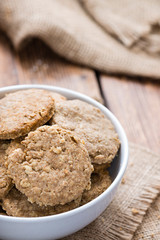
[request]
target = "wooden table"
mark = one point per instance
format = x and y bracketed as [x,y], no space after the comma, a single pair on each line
[135,102]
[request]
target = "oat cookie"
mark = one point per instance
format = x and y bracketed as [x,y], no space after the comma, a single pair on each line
[99,183]
[90,124]
[57,97]
[23,111]
[5,181]
[52,166]
[17,205]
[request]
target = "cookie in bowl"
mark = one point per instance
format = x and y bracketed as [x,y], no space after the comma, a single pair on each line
[33,217]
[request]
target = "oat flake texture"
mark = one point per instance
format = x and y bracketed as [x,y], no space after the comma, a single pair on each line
[51,167]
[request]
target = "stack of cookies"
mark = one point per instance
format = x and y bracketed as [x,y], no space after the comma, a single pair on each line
[54,153]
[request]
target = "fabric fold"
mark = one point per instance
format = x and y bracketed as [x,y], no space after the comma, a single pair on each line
[150,227]
[127,20]
[72,33]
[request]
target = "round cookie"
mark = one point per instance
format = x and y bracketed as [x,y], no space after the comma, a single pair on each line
[17,205]
[57,97]
[5,181]
[51,167]
[23,111]
[90,124]
[99,183]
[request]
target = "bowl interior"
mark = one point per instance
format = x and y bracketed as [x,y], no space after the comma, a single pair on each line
[114,168]
[119,164]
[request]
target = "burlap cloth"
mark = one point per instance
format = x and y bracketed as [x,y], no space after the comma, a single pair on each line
[117,36]
[139,188]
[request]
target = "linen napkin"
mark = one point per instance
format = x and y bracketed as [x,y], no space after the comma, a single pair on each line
[139,187]
[116,36]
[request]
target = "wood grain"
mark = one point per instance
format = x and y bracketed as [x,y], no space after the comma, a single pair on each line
[137,106]
[135,103]
[37,64]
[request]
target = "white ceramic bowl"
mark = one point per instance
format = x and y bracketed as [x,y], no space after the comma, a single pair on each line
[57,226]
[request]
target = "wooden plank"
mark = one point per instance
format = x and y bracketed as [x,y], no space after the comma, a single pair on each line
[137,106]
[37,64]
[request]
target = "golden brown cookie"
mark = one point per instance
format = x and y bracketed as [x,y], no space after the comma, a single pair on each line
[23,111]
[58,97]
[5,181]
[17,205]
[99,183]
[90,124]
[51,167]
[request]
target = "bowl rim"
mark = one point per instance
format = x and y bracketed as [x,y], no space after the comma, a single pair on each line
[124,148]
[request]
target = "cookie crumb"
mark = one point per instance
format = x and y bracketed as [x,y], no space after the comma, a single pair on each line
[141,236]
[134,211]
[56,150]
[123,181]
[28,169]
[83,142]
[24,183]
[102,219]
